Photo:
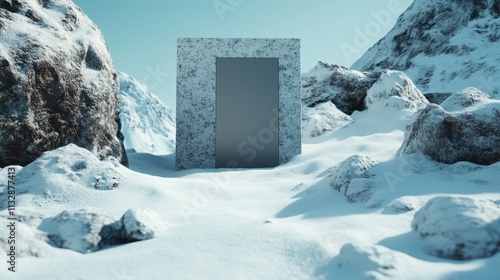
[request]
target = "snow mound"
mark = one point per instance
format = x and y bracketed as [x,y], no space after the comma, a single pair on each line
[459,227]
[148,125]
[394,89]
[463,99]
[322,118]
[76,230]
[351,179]
[471,134]
[443,46]
[343,87]
[364,261]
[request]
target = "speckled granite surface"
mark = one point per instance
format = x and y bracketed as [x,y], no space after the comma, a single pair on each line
[196,92]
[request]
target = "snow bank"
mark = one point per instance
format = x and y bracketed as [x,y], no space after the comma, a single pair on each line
[148,125]
[459,227]
[322,118]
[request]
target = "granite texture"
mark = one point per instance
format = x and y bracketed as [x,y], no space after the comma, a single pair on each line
[196,93]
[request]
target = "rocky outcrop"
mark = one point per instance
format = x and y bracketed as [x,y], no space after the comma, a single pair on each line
[459,228]
[343,87]
[57,83]
[440,49]
[471,134]
[322,118]
[148,125]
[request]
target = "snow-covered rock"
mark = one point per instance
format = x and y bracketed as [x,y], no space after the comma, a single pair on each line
[365,261]
[148,125]
[57,83]
[463,99]
[76,230]
[141,224]
[395,90]
[443,46]
[343,87]
[322,118]
[459,227]
[471,134]
[350,177]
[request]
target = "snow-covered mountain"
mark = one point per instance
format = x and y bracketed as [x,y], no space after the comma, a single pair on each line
[148,125]
[443,46]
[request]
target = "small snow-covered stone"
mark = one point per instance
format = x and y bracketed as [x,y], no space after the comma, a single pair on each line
[322,118]
[459,227]
[141,224]
[76,230]
[463,99]
[351,179]
[365,261]
[394,89]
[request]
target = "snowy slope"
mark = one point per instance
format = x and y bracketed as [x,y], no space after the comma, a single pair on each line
[444,46]
[274,223]
[148,125]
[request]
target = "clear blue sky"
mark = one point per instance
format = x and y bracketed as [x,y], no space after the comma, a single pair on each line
[142,35]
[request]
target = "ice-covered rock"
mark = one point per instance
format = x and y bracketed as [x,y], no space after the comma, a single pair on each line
[463,99]
[459,227]
[471,134]
[57,83]
[343,87]
[322,118]
[148,125]
[351,178]
[395,90]
[76,230]
[443,46]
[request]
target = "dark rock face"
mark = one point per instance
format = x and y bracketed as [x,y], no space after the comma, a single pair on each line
[471,134]
[57,83]
[437,97]
[343,87]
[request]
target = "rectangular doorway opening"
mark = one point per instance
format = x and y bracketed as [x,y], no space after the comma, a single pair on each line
[247,115]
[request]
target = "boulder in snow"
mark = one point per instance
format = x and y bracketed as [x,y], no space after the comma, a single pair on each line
[57,83]
[464,98]
[343,87]
[459,228]
[76,230]
[471,134]
[141,224]
[395,90]
[351,178]
[322,118]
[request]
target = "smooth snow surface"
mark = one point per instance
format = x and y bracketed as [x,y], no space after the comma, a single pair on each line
[276,223]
